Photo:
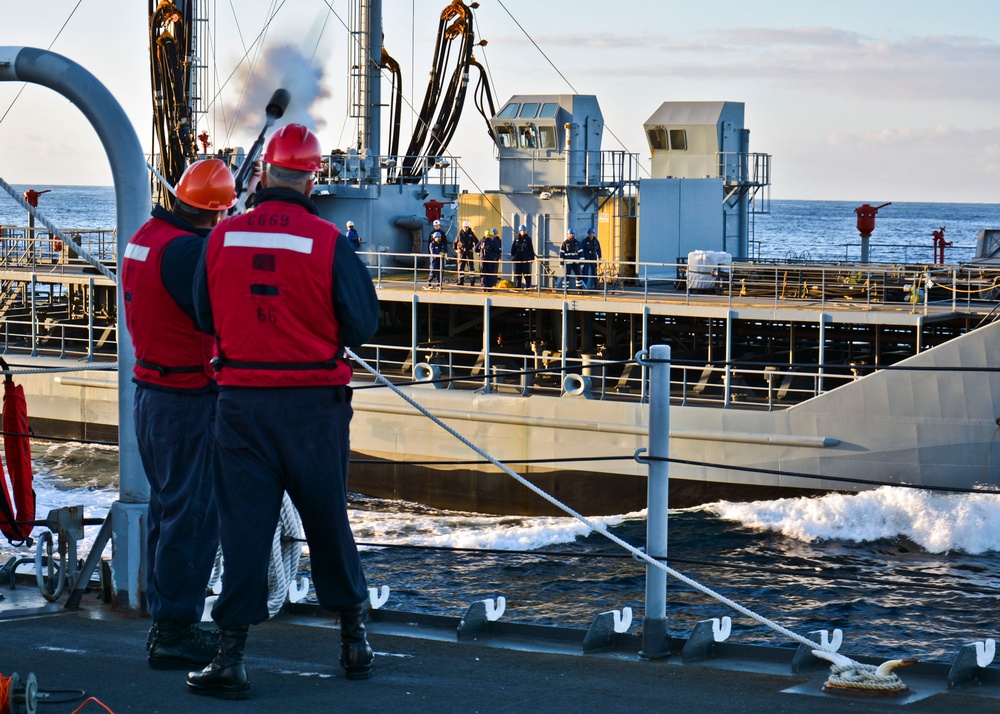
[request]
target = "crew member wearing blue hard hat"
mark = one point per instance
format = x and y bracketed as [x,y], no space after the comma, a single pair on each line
[569,258]
[522,254]
[591,256]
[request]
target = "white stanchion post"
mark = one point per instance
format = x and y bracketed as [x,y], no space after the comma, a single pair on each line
[654,626]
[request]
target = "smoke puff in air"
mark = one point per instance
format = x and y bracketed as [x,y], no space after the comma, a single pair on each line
[282,66]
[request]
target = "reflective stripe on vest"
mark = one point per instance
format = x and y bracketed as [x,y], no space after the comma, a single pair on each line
[270,278]
[169,351]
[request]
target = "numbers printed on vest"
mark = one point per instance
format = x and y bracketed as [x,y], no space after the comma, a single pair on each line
[267,315]
[264,220]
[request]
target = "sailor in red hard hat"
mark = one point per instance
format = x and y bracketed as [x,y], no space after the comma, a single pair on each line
[174,411]
[284,293]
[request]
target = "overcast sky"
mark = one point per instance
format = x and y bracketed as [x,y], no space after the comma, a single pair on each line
[886,100]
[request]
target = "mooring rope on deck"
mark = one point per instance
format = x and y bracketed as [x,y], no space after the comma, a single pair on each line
[596,527]
[80,250]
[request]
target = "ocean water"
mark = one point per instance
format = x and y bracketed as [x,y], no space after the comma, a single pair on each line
[67,207]
[902,573]
[827,230]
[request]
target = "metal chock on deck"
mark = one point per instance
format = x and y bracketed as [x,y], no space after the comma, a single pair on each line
[804,658]
[969,660]
[479,615]
[701,644]
[601,635]
[378,596]
[298,589]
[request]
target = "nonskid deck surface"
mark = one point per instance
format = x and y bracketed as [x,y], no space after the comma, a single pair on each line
[292,662]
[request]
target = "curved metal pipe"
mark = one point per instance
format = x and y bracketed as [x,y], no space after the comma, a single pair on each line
[133,200]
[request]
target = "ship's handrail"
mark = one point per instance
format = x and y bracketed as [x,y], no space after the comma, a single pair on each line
[904,252]
[35,248]
[59,309]
[747,385]
[920,288]
[368,169]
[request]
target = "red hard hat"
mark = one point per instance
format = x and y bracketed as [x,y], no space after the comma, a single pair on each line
[294,147]
[207,184]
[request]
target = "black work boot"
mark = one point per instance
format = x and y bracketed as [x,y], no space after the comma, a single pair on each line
[355,653]
[226,676]
[151,636]
[179,645]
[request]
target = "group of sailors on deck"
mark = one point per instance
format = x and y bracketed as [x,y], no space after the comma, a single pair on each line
[579,259]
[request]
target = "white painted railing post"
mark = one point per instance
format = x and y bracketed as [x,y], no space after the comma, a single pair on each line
[654,625]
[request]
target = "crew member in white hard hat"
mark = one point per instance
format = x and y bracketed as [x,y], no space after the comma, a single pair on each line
[352,235]
[435,228]
[439,255]
[466,244]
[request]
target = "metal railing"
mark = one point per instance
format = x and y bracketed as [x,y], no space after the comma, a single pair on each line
[72,314]
[759,386]
[904,253]
[365,169]
[872,286]
[66,316]
[27,247]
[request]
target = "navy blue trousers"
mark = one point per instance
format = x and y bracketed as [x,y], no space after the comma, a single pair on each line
[175,439]
[271,441]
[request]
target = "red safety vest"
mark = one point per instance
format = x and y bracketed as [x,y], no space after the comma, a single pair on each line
[169,351]
[270,277]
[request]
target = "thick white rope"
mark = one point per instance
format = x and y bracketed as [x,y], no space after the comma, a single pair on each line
[283,565]
[862,676]
[286,550]
[80,250]
[107,366]
[597,527]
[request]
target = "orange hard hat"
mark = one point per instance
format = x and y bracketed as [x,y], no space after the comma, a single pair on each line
[294,147]
[207,184]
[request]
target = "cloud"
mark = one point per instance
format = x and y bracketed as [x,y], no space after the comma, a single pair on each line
[938,67]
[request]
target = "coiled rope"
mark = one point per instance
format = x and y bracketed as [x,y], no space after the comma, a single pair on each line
[80,250]
[283,566]
[862,676]
[286,551]
[596,527]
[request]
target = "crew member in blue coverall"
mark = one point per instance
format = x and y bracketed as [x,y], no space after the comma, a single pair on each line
[175,410]
[569,257]
[522,253]
[592,256]
[439,255]
[284,293]
[490,255]
[353,236]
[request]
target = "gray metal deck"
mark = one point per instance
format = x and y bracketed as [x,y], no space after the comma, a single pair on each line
[421,667]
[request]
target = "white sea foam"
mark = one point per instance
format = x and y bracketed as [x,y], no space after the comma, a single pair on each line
[936,522]
[473,530]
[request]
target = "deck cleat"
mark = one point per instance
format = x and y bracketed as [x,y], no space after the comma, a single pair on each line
[851,678]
